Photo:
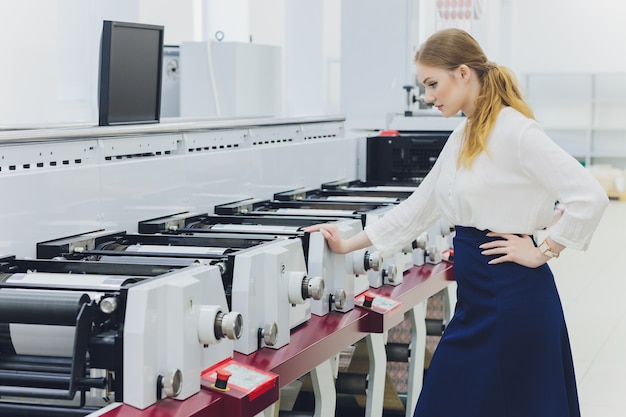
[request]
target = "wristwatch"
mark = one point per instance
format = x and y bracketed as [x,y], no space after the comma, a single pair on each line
[545,248]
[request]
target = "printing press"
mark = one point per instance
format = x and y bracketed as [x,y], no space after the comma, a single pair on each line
[341,272]
[390,273]
[264,277]
[80,335]
[435,241]
[366,205]
[177,167]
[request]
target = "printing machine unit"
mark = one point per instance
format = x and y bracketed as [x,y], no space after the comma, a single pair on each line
[438,236]
[349,186]
[379,194]
[264,277]
[79,335]
[364,205]
[365,211]
[341,272]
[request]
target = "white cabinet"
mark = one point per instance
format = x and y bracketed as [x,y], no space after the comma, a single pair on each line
[584,113]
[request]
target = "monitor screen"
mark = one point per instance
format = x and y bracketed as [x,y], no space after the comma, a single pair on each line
[131,63]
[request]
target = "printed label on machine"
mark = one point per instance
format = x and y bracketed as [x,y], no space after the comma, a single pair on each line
[376,302]
[243,378]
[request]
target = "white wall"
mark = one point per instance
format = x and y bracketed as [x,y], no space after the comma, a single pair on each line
[50,58]
[567,36]
[50,47]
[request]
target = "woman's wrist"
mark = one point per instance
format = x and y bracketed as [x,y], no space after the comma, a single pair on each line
[550,249]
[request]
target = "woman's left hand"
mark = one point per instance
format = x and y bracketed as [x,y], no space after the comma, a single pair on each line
[514,248]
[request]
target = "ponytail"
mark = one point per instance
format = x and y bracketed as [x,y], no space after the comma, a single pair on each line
[499,89]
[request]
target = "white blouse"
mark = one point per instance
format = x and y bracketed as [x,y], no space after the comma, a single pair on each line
[511,188]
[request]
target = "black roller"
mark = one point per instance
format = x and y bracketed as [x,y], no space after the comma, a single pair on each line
[398,352]
[349,383]
[34,379]
[434,327]
[58,308]
[49,380]
[31,410]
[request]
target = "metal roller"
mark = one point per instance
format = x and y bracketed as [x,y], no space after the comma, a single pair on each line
[195,250]
[434,327]
[50,380]
[249,228]
[350,383]
[102,283]
[31,410]
[35,363]
[58,308]
[398,352]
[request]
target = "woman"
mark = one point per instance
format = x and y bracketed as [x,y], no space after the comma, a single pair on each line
[506,351]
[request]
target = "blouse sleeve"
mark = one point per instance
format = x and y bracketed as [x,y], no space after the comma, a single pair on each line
[580,195]
[406,221]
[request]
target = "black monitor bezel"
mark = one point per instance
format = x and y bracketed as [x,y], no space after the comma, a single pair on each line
[105,118]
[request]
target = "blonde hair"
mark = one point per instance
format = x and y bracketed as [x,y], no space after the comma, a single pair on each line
[449,49]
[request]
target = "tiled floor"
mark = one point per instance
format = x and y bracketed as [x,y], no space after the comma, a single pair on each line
[592,285]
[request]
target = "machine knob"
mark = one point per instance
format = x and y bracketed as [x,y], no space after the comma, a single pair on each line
[408,248]
[313,288]
[373,261]
[108,305]
[339,299]
[229,325]
[431,253]
[422,241]
[270,333]
[172,383]
[391,273]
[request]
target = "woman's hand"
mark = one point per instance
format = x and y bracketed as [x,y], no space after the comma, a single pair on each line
[514,248]
[335,242]
[331,234]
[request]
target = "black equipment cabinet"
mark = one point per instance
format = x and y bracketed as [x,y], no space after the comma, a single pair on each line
[403,157]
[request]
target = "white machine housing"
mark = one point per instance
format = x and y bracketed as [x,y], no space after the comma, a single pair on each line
[340,272]
[393,267]
[168,328]
[266,290]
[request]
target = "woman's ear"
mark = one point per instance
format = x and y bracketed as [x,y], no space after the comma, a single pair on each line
[464,72]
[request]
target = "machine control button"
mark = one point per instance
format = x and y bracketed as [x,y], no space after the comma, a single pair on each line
[313,288]
[172,383]
[270,333]
[229,325]
[221,379]
[368,299]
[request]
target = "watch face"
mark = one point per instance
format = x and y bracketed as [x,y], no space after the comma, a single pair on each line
[545,249]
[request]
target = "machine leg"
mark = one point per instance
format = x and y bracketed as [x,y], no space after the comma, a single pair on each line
[271,411]
[377,373]
[417,318]
[323,379]
[449,302]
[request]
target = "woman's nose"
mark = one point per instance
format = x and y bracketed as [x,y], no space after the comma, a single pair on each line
[428,98]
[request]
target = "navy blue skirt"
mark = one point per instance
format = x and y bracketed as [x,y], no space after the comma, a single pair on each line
[506,351]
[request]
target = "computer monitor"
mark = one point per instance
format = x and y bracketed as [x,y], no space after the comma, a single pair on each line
[131,64]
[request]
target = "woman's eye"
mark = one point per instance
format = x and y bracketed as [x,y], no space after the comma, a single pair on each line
[432,85]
